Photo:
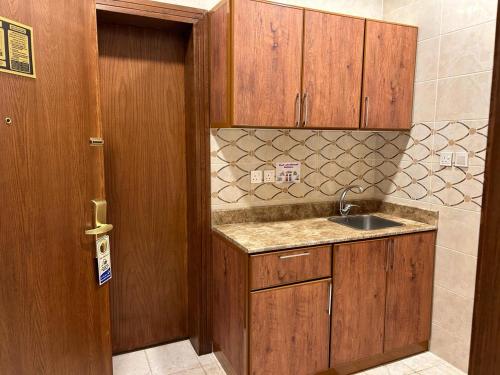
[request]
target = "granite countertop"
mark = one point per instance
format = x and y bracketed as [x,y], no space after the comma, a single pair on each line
[256,237]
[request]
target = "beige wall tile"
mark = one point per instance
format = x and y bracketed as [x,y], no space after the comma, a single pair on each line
[452,312]
[424,102]
[467,51]
[458,14]
[426,14]
[458,229]
[450,348]
[464,98]
[391,5]
[427,60]
[455,271]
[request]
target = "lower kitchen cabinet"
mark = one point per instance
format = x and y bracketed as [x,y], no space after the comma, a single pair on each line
[285,312]
[290,329]
[382,300]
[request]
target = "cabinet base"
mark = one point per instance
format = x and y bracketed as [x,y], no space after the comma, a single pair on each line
[377,360]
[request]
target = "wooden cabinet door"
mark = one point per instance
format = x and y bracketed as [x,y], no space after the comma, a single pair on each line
[409,290]
[290,329]
[267,61]
[358,300]
[389,71]
[333,66]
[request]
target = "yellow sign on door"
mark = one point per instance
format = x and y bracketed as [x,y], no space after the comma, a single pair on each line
[17,55]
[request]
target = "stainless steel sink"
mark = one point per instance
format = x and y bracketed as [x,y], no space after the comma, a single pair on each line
[364,222]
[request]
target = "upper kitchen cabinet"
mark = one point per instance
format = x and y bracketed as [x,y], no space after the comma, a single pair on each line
[256,62]
[274,65]
[332,71]
[389,73]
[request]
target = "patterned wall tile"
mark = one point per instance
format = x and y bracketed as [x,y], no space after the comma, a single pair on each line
[397,164]
[468,136]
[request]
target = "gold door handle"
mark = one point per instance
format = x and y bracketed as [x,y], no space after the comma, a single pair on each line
[99,219]
[101,229]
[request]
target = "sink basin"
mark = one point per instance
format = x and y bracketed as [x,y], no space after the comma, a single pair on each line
[364,222]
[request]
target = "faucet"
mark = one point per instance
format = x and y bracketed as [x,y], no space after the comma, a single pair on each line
[346,207]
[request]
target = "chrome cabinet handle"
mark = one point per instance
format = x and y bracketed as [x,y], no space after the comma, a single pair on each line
[297,110]
[294,255]
[367,108]
[330,292]
[306,109]
[389,261]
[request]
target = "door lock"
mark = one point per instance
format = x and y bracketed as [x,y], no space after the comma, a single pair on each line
[99,219]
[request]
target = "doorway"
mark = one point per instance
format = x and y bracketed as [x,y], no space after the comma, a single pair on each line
[145,74]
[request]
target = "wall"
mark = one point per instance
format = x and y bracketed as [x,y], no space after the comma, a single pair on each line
[364,8]
[453,84]
[452,92]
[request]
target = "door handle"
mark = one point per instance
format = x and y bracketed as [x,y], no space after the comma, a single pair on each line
[297,110]
[100,226]
[101,229]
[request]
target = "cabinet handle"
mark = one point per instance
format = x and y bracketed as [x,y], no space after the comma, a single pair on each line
[388,256]
[306,109]
[367,108]
[297,110]
[392,255]
[294,255]
[330,292]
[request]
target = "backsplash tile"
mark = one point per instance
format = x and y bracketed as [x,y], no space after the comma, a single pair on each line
[399,164]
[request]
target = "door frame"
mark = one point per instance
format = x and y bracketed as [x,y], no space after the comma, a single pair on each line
[485,351]
[199,252]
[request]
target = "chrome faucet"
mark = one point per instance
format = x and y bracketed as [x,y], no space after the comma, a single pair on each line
[346,207]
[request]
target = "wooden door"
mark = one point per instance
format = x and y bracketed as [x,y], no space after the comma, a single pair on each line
[358,300]
[389,72]
[267,61]
[54,319]
[289,329]
[409,290]
[333,67]
[142,75]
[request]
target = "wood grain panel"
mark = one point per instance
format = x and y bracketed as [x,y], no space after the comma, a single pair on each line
[485,351]
[143,110]
[358,301]
[389,73]
[333,67]
[409,290]
[54,319]
[267,61]
[219,65]
[290,329]
[230,303]
[285,267]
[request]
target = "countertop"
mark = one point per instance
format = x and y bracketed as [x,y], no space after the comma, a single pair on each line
[256,237]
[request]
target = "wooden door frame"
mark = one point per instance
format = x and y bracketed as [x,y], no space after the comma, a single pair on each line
[485,351]
[198,153]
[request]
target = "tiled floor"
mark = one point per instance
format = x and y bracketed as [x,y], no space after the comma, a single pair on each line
[181,359]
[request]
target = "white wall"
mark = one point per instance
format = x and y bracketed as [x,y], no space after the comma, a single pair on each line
[364,8]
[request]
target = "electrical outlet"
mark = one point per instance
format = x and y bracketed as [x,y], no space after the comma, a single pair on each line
[256,177]
[269,175]
[461,159]
[446,159]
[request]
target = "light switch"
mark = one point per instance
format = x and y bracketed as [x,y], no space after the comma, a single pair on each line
[256,177]
[269,175]
[461,159]
[446,159]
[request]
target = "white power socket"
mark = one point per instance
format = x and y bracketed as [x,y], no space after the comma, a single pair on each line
[256,177]
[446,159]
[462,159]
[269,175]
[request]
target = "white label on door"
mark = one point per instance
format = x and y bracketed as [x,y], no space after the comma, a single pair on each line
[103,253]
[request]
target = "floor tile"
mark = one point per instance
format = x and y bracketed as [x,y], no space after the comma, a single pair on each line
[396,368]
[442,369]
[422,361]
[173,358]
[134,363]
